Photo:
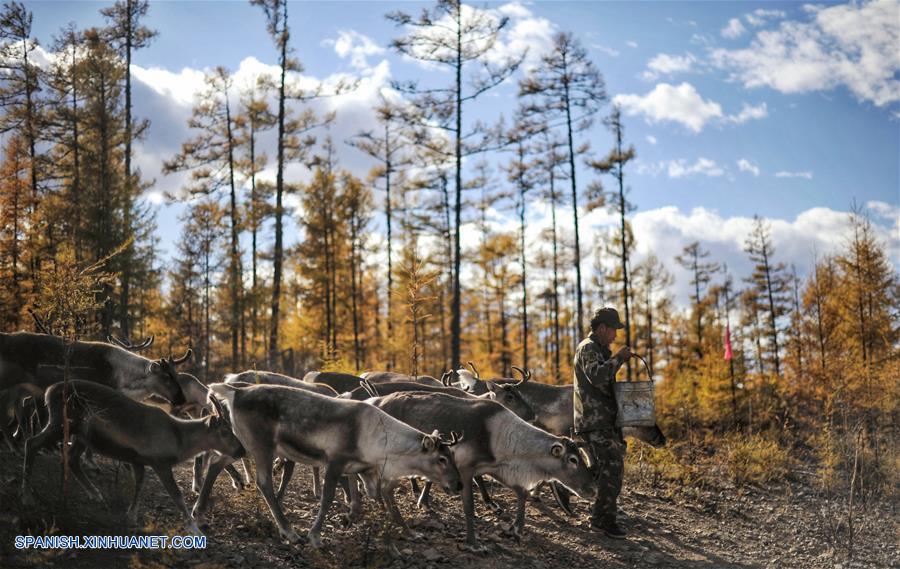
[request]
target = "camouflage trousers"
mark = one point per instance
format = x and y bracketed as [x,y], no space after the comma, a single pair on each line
[606,449]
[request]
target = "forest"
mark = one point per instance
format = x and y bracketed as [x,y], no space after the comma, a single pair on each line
[762,375]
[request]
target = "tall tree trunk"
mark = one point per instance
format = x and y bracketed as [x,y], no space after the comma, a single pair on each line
[524,279]
[124,298]
[619,176]
[556,344]
[353,288]
[390,270]
[235,259]
[571,141]
[457,248]
[279,208]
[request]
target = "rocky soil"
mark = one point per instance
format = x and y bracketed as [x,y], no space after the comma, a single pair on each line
[670,527]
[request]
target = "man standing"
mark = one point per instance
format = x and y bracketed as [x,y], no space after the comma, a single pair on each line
[595,415]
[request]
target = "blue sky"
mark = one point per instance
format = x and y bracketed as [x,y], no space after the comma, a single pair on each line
[785,110]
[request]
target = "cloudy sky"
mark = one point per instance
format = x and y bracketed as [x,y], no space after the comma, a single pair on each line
[786,110]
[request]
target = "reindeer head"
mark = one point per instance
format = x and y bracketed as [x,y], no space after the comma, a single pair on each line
[162,378]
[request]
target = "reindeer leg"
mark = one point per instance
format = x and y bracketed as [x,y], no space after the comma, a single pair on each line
[212,472]
[424,500]
[286,474]
[263,461]
[515,528]
[469,509]
[137,470]
[317,483]
[332,474]
[245,464]
[387,494]
[488,501]
[75,464]
[197,481]
[50,434]
[168,481]
[236,481]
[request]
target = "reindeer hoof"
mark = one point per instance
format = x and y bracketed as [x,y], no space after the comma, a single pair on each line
[513,531]
[315,540]
[495,507]
[193,529]
[473,548]
[411,535]
[290,536]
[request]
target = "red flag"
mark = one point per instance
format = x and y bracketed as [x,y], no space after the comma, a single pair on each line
[727,341]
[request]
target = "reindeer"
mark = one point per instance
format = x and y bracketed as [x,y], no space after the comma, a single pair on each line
[43,360]
[120,428]
[344,437]
[496,443]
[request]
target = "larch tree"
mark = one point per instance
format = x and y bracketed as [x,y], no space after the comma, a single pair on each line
[211,158]
[520,174]
[458,37]
[614,164]
[254,118]
[692,258]
[387,148]
[126,34]
[294,141]
[769,280]
[566,90]
[21,102]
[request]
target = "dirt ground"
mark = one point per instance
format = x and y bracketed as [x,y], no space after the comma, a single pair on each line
[671,527]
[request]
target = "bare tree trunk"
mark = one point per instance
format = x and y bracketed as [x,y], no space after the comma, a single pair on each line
[279,208]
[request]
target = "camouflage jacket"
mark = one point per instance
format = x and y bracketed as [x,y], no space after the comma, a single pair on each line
[595,400]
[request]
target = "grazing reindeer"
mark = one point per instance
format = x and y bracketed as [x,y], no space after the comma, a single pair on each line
[247,378]
[496,443]
[391,376]
[40,359]
[120,428]
[344,437]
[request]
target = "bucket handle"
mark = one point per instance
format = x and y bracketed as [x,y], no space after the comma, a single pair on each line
[646,366]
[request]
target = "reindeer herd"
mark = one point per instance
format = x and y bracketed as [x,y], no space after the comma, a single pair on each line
[366,434]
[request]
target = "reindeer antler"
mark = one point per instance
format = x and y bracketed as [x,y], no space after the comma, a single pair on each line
[526,374]
[187,355]
[474,370]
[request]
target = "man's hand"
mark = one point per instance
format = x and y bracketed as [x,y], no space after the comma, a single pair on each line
[623,354]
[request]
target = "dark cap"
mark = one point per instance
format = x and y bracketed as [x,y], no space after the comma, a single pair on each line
[608,316]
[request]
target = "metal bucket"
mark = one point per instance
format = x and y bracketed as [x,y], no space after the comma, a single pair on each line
[634,400]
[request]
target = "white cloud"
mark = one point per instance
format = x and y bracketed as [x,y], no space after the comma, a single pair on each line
[745,165]
[670,103]
[355,45]
[665,231]
[680,168]
[631,44]
[651,139]
[733,30]
[759,16]
[703,166]
[851,45]
[750,113]
[610,51]
[665,64]
[806,175]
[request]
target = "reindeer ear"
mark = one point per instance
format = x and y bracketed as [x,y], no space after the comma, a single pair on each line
[428,443]
[557,450]
[154,367]
[491,386]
